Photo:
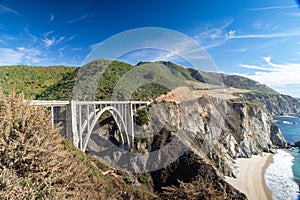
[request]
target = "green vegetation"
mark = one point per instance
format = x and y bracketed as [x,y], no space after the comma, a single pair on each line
[246,83]
[111,74]
[141,117]
[141,139]
[31,80]
[143,179]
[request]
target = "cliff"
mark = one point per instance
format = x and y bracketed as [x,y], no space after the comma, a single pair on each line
[205,135]
[276,104]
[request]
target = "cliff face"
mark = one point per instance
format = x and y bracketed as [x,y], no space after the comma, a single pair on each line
[276,104]
[221,130]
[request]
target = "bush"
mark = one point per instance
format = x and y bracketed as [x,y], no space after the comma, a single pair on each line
[141,117]
[143,179]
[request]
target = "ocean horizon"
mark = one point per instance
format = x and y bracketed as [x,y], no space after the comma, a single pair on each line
[283,174]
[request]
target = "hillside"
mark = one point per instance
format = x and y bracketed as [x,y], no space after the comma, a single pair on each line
[31,80]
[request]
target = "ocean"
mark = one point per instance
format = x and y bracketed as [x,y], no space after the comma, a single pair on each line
[283,174]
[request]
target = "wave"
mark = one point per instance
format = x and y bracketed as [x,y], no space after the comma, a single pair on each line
[279,177]
[287,122]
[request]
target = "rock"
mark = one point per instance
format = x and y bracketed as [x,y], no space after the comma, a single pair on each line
[297,144]
[277,137]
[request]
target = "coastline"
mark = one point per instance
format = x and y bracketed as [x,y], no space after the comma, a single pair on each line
[266,188]
[280,178]
[251,179]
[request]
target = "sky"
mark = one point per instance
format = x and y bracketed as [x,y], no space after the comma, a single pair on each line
[259,39]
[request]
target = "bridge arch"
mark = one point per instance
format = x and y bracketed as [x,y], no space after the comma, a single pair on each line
[119,122]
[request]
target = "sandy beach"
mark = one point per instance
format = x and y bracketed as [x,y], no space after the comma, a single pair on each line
[250,179]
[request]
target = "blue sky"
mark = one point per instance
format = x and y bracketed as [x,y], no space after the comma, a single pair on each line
[259,39]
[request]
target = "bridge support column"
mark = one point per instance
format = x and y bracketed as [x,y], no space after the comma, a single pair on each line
[74,123]
[131,126]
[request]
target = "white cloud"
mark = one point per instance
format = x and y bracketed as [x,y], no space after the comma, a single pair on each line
[277,76]
[20,55]
[4,9]
[70,38]
[48,33]
[241,50]
[255,67]
[264,26]
[51,18]
[230,34]
[60,39]
[215,36]
[273,8]
[48,42]
[82,17]
[9,57]
[33,37]
[289,33]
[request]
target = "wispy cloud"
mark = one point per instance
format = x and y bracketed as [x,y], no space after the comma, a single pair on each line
[264,26]
[48,33]
[49,42]
[60,39]
[291,33]
[240,50]
[4,9]
[51,18]
[82,17]
[273,8]
[213,36]
[255,67]
[34,38]
[70,38]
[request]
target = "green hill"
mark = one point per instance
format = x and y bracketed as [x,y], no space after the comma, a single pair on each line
[31,80]
[110,74]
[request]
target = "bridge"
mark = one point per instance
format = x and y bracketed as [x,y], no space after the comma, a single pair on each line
[79,118]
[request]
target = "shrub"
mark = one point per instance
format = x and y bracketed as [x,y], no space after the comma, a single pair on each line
[141,117]
[143,179]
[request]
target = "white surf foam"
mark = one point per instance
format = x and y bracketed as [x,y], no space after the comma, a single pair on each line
[279,177]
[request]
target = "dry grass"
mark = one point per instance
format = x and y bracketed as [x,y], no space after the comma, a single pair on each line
[198,189]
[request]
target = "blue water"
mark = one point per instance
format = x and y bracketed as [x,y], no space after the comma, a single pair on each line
[290,128]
